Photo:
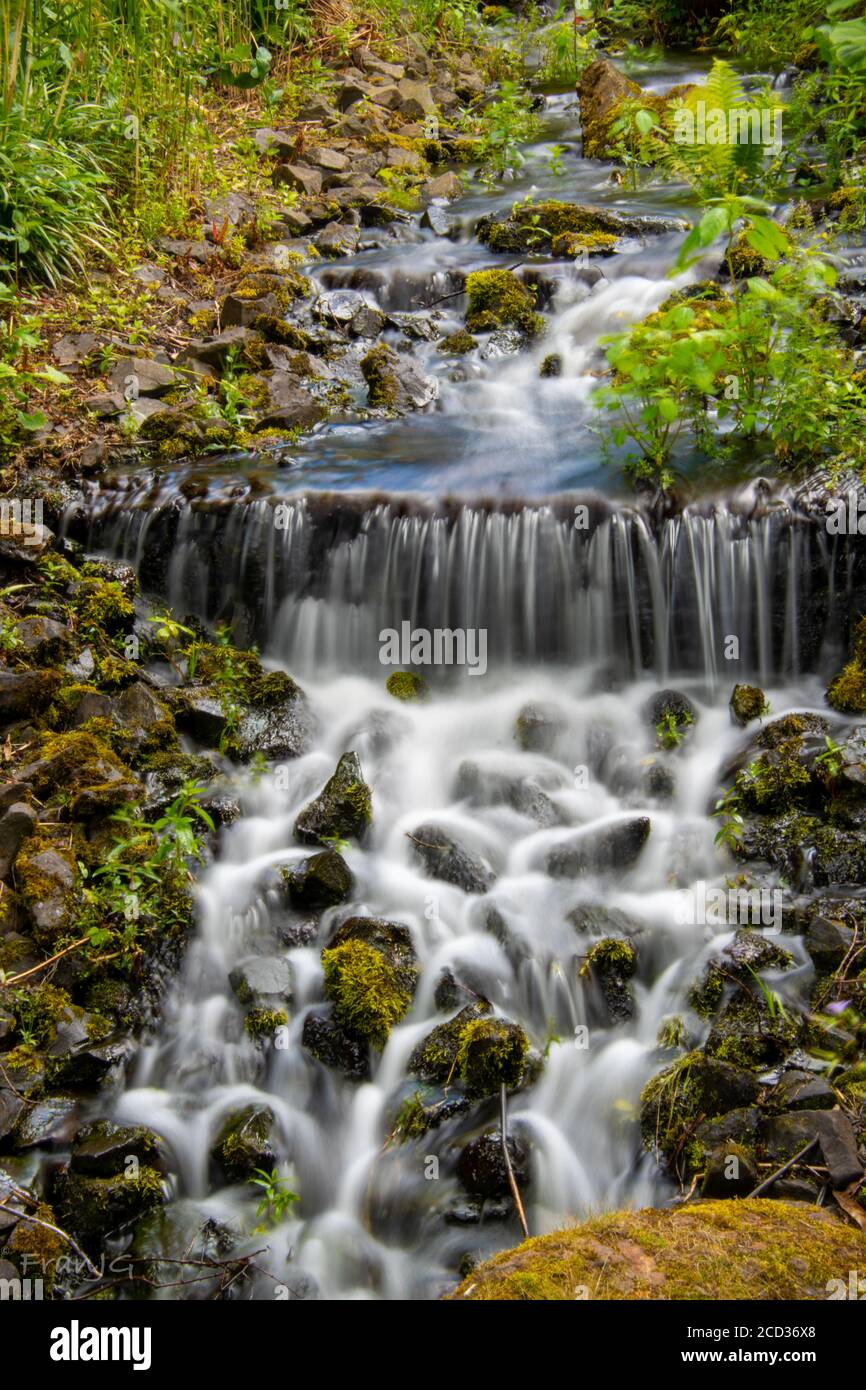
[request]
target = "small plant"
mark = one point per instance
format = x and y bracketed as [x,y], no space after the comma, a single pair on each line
[670,727]
[277,1197]
[728,811]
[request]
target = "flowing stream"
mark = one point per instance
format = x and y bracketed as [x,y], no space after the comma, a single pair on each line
[469,516]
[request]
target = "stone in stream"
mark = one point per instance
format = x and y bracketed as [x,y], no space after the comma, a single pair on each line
[692,1089]
[336,1046]
[342,810]
[392,940]
[611,963]
[748,702]
[670,705]
[601,849]
[245,1143]
[446,859]
[102,1149]
[481,1164]
[602,89]
[539,728]
[568,229]
[49,1123]
[434,1059]
[394,383]
[262,980]
[91,1208]
[322,881]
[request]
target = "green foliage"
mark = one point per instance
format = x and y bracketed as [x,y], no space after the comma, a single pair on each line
[277,1197]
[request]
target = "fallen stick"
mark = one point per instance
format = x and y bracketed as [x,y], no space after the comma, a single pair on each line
[512,1181]
[785,1168]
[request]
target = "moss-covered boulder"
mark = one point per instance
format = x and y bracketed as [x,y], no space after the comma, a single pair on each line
[365,988]
[496,298]
[406,685]
[492,1053]
[48,882]
[392,940]
[103,1149]
[708,1251]
[343,810]
[434,1059]
[690,1090]
[847,690]
[610,964]
[244,1143]
[749,1032]
[91,1208]
[748,702]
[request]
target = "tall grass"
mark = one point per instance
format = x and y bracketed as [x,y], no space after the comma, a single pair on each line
[101,111]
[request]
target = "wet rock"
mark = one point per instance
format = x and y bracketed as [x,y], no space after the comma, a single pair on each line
[335,239]
[434,1059]
[445,859]
[782,1136]
[322,881]
[730,1171]
[26,693]
[91,1063]
[481,1165]
[16,824]
[538,728]
[103,1149]
[201,714]
[746,1033]
[290,405]
[394,383]
[341,811]
[600,850]
[692,1089]
[481,787]
[598,919]
[336,1046]
[611,963]
[748,702]
[245,1143]
[49,1123]
[90,1208]
[567,229]
[802,1090]
[11,1107]
[670,705]
[262,980]
[447,186]
[392,940]
[42,639]
[739,1126]
[828,938]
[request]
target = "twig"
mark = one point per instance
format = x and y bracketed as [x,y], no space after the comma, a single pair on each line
[785,1168]
[13,979]
[512,1181]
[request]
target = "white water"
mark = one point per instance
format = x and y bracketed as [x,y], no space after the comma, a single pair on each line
[370,1223]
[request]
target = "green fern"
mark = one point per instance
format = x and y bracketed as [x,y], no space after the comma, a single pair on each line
[715,169]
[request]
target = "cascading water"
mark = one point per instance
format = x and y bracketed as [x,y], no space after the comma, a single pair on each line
[587,607]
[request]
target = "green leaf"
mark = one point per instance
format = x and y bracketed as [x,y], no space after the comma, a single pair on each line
[668,409]
[767,239]
[34,421]
[645,121]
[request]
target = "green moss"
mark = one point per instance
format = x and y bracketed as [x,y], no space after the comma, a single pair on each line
[406,685]
[677,1099]
[262,1023]
[102,604]
[672,1033]
[37,1010]
[279,330]
[36,1251]
[706,995]
[748,702]
[496,298]
[434,1059]
[776,781]
[365,990]
[574,244]
[458,343]
[847,691]
[492,1053]
[612,954]
[73,761]
[754,1249]
[377,367]
[413,1119]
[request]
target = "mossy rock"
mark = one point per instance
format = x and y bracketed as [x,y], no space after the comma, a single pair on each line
[406,685]
[708,1251]
[571,245]
[434,1059]
[365,990]
[458,343]
[392,940]
[847,691]
[377,368]
[322,881]
[492,1053]
[244,1143]
[748,1034]
[497,298]
[611,963]
[342,810]
[91,1208]
[748,702]
[692,1089]
[34,1250]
